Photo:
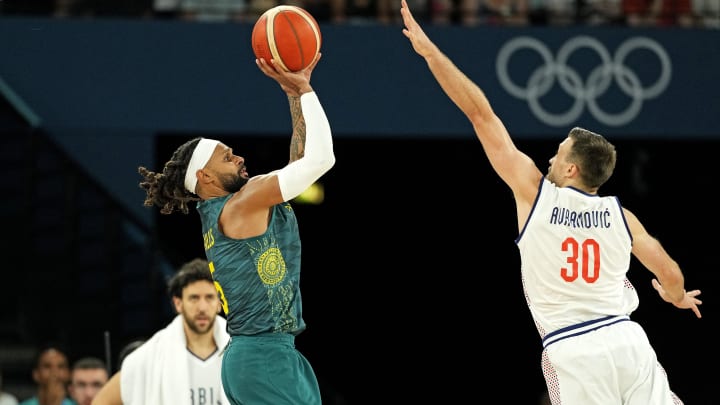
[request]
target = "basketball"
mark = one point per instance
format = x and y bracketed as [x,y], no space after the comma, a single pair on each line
[289,35]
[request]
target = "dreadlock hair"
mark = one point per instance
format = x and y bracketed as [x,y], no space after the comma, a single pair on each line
[595,156]
[167,189]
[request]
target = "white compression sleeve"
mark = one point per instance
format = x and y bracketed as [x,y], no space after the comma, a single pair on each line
[319,157]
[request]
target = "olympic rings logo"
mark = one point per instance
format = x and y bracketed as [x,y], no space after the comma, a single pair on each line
[585,91]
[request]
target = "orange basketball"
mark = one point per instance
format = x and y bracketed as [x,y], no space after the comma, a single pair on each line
[287,34]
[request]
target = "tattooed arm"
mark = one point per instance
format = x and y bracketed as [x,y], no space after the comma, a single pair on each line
[297,143]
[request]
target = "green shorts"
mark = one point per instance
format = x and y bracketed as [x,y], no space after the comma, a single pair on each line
[268,370]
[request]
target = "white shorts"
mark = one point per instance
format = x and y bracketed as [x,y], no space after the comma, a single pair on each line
[614,364]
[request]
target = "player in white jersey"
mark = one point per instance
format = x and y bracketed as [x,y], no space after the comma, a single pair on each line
[575,249]
[181,363]
[205,387]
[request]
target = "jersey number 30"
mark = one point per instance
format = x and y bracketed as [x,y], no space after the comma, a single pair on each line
[583,260]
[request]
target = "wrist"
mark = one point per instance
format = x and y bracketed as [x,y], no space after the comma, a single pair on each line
[305,89]
[678,299]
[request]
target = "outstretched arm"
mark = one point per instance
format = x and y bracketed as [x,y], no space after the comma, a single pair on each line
[513,166]
[670,282]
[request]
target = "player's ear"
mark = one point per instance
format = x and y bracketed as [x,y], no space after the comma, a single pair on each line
[572,170]
[177,303]
[202,176]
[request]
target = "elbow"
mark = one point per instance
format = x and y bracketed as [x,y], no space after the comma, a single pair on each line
[476,118]
[324,164]
[329,162]
[318,165]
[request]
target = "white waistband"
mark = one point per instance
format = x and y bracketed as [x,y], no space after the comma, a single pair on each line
[582,328]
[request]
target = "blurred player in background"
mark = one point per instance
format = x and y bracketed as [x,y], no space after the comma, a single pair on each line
[51,374]
[180,364]
[87,377]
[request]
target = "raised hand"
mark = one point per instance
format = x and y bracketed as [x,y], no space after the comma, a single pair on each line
[292,83]
[419,40]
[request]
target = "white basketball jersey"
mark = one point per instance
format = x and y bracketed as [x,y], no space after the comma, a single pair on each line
[205,384]
[575,252]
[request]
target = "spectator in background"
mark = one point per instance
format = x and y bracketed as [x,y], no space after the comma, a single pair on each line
[212,10]
[707,13]
[6,398]
[255,8]
[504,12]
[322,10]
[443,12]
[363,12]
[112,395]
[603,12]
[576,12]
[553,12]
[658,13]
[51,373]
[332,11]
[166,9]
[88,376]
[390,10]
[352,12]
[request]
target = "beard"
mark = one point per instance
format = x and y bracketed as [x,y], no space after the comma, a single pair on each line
[197,329]
[233,182]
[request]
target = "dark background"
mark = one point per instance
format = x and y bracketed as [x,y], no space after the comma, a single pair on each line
[411,277]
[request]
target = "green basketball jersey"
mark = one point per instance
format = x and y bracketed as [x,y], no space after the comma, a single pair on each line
[259,277]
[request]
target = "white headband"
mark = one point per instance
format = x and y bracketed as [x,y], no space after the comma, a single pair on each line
[200,156]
